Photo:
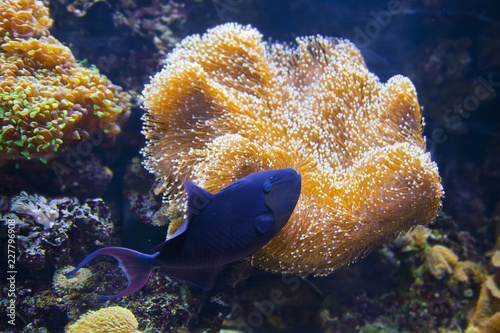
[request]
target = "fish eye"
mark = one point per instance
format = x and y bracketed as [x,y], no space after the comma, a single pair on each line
[274,179]
[267,187]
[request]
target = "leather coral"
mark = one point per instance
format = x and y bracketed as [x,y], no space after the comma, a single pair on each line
[227,104]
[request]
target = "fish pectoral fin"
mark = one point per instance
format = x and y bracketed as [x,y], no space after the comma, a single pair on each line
[265,223]
[202,277]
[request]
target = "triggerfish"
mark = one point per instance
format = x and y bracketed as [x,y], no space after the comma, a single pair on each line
[220,228]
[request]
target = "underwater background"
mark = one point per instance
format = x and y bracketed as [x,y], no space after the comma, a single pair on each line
[74,196]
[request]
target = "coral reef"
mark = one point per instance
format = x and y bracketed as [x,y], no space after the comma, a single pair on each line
[163,305]
[267,303]
[138,35]
[88,178]
[47,100]
[78,7]
[155,21]
[62,284]
[113,319]
[451,52]
[83,176]
[408,298]
[137,190]
[77,230]
[40,309]
[226,105]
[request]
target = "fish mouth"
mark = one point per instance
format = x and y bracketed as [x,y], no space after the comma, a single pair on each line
[284,194]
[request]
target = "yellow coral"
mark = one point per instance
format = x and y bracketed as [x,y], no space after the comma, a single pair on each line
[23,19]
[419,235]
[114,319]
[495,259]
[487,313]
[48,101]
[486,317]
[492,325]
[227,104]
[440,260]
[464,270]
[77,281]
[472,329]
[415,238]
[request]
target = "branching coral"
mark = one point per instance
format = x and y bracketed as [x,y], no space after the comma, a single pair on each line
[227,104]
[47,100]
[113,319]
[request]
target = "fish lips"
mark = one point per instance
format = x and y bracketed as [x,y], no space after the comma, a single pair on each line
[283,196]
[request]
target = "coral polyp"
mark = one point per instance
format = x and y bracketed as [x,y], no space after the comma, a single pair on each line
[47,99]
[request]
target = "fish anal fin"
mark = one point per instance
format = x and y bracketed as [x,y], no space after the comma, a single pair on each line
[203,278]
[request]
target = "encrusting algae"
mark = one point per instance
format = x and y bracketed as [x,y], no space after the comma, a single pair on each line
[227,104]
[113,319]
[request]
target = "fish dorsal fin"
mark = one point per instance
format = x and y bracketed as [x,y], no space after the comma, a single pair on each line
[174,236]
[197,197]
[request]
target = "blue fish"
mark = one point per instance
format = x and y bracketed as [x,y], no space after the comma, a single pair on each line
[220,228]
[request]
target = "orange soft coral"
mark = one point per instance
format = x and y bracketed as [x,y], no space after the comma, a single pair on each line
[47,100]
[227,104]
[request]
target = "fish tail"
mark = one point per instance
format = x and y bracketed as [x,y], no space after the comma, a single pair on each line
[137,267]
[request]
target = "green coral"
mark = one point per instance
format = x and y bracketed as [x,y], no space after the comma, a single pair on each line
[48,100]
